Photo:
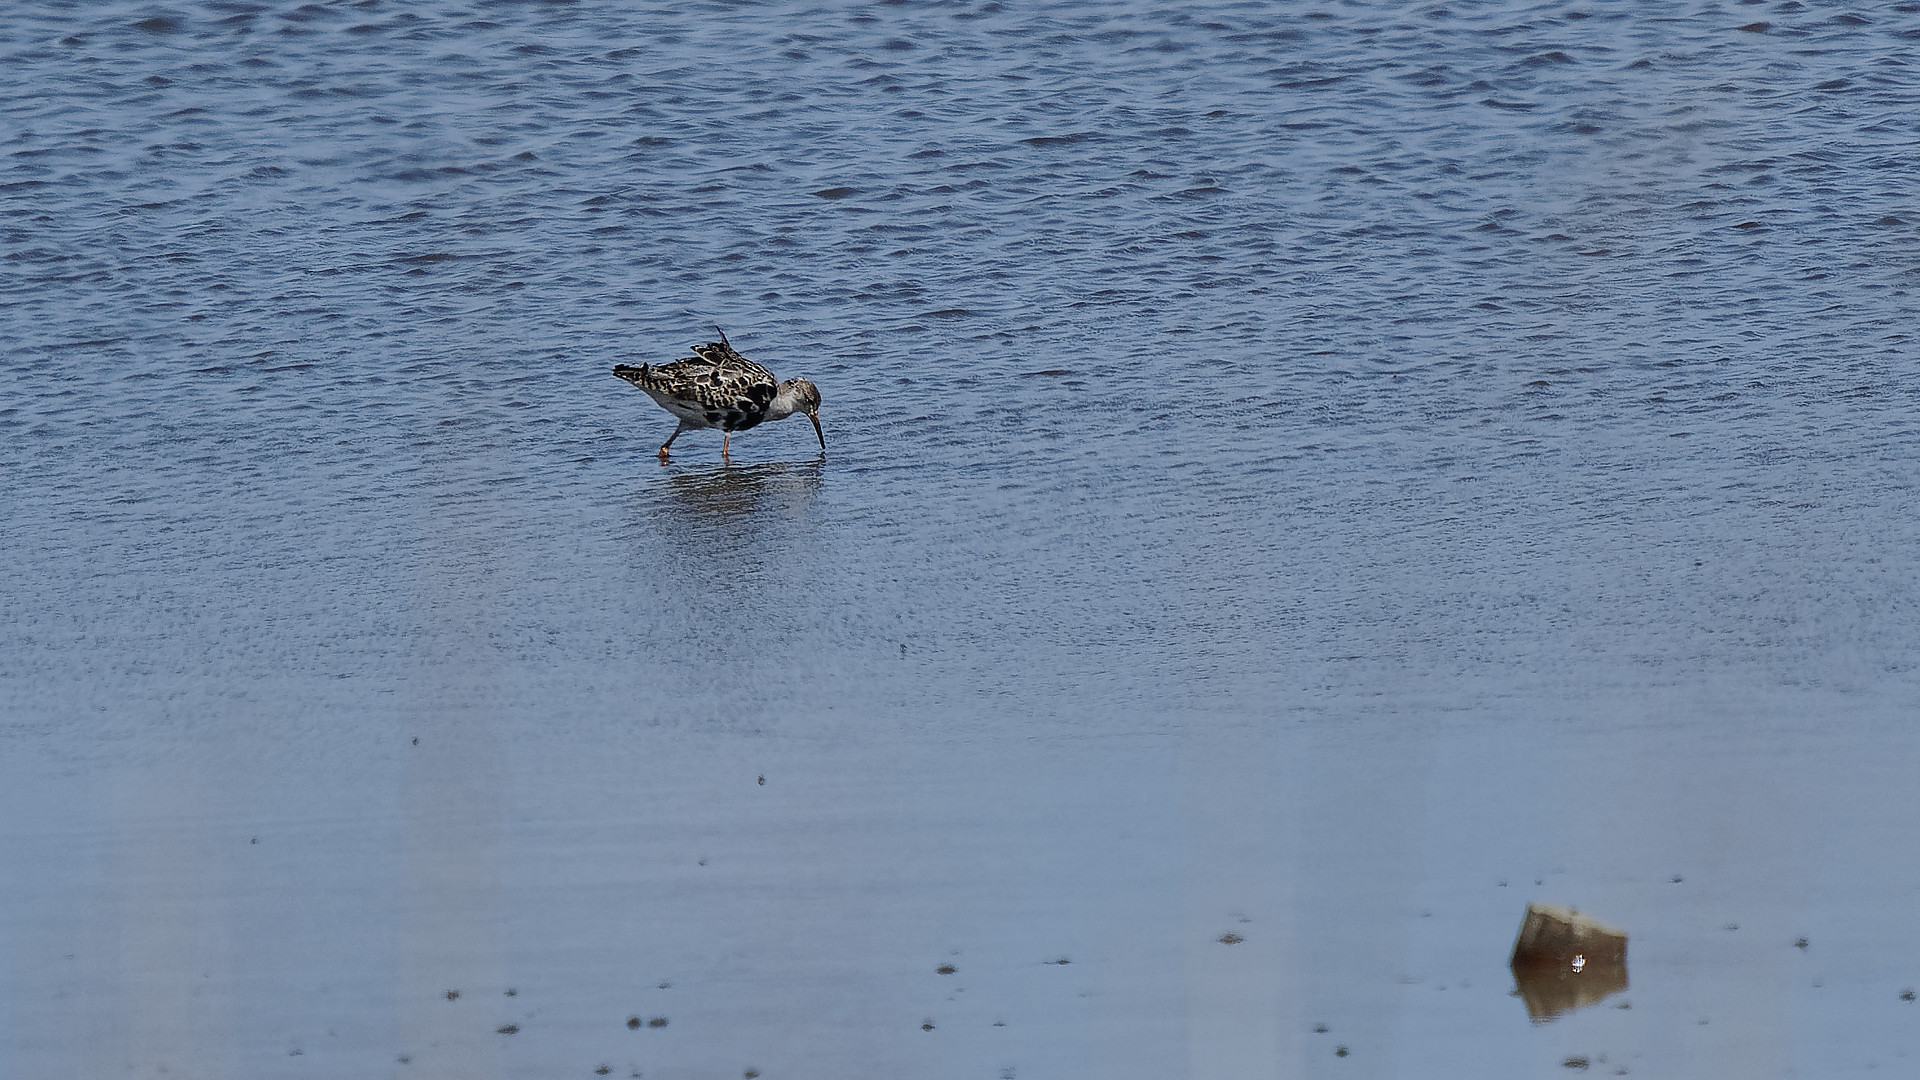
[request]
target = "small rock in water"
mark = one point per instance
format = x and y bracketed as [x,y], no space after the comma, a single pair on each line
[1563,960]
[1560,936]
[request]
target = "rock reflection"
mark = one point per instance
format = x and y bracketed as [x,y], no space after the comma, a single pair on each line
[1551,990]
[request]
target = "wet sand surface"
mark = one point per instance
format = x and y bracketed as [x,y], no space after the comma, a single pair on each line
[1300,486]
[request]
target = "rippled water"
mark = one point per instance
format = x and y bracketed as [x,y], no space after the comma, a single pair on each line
[1289,468]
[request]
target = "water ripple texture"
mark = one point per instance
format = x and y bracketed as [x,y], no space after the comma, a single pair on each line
[1225,355]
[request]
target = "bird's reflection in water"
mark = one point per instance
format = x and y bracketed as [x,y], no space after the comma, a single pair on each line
[716,528]
[736,495]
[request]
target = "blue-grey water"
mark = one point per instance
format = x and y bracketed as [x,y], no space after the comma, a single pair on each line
[1302,481]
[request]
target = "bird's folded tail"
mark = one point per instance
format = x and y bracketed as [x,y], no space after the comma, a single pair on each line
[638,376]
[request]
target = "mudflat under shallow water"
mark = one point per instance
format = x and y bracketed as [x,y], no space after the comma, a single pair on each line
[1300,484]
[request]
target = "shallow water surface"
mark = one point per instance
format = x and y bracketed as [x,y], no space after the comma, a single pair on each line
[1301,484]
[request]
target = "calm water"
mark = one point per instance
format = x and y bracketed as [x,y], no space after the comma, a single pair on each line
[1324,474]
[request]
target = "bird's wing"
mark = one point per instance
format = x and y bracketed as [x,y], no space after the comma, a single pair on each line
[744,384]
[721,354]
[741,385]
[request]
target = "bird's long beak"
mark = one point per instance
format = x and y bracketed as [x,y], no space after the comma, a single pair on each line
[818,434]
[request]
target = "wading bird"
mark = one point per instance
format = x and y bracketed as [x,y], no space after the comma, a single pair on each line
[716,387]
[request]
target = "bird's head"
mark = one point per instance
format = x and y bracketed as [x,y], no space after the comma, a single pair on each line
[806,398]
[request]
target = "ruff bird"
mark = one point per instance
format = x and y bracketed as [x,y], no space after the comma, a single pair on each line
[716,387]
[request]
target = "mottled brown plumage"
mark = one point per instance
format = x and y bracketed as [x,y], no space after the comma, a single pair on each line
[716,387]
